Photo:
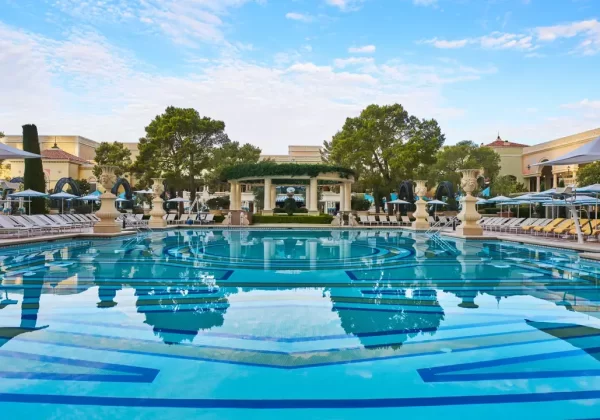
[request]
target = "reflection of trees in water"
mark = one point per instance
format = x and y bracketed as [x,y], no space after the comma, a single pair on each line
[373,319]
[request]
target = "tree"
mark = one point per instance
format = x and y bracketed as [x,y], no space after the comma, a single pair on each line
[114,154]
[33,177]
[385,145]
[227,155]
[506,185]
[178,145]
[464,155]
[589,174]
[84,186]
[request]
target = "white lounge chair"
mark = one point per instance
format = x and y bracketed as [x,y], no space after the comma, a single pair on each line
[383,219]
[363,220]
[393,220]
[19,225]
[171,218]
[372,219]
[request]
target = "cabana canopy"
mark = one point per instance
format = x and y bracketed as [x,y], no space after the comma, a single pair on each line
[587,153]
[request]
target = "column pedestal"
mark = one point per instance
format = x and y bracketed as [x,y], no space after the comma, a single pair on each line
[107,214]
[157,213]
[421,222]
[468,214]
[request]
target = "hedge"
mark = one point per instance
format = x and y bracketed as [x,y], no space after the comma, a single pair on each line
[321,220]
[267,168]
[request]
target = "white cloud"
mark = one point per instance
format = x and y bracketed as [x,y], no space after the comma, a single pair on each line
[85,85]
[365,49]
[589,30]
[493,41]
[352,61]
[301,17]
[345,5]
[583,104]
[424,2]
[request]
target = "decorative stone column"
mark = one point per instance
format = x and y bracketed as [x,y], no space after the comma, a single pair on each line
[348,196]
[468,214]
[157,213]
[267,210]
[538,183]
[420,214]
[107,213]
[342,198]
[313,209]
[273,196]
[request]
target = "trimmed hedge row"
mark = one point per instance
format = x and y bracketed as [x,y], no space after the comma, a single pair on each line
[321,220]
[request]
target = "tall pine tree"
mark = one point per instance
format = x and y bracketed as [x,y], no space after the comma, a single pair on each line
[34,171]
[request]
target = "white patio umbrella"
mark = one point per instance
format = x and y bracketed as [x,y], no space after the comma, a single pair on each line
[8,152]
[500,200]
[28,194]
[398,201]
[594,190]
[90,197]
[62,196]
[437,203]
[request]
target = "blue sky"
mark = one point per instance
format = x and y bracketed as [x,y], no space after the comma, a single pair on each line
[289,72]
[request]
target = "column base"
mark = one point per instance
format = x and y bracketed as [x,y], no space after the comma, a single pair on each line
[107,227]
[314,213]
[420,225]
[267,213]
[465,230]
[154,223]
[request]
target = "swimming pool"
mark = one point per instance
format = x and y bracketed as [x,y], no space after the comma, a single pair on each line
[295,324]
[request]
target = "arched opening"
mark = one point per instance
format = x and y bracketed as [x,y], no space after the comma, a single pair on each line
[123,187]
[445,192]
[67,181]
[406,191]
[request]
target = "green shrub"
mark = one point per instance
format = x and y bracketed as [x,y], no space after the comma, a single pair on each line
[360,204]
[279,210]
[83,209]
[219,219]
[322,220]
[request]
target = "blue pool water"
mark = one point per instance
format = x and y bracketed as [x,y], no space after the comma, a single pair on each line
[297,324]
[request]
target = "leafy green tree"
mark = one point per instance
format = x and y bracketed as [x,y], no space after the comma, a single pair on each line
[506,185]
[115,154]
[229,154]
[179,145]
[464,155]
[84,186]
[384,145]
[589,174]
[33,177]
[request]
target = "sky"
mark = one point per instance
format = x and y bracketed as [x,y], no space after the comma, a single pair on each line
[281,72]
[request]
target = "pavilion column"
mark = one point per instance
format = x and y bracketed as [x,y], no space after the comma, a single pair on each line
[420,214]
[238,196]
[232,195]
[273,196]
[348,196]
[468,214]
[313,208]
[342,197]
[554,180]
[107,213]
[268,209]
[538,183]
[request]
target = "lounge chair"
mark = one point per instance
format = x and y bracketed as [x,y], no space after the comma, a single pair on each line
[559,229]
[209,219]
[535,222]
[406,220]
[20,224]
[510,223]
[393,220]
[183,219]
[384,220]
[363,220]
[372,220]
[587,228]
[431,220]
[171,218]
[66,223]
[518,227]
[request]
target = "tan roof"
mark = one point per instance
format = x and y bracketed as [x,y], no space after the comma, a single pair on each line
[58,154]
[504,143]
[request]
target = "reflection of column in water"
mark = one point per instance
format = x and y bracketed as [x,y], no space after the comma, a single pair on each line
[311,245]
[235,246]
[469,262]
[345,250]
[268,252]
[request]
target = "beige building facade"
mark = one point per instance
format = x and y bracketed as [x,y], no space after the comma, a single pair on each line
[510,157]
[63,156]
[541,177]
[297,154]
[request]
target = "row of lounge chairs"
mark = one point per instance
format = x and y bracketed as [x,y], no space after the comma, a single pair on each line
[202,218]
[546,227]
[384,220]
[44,224]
